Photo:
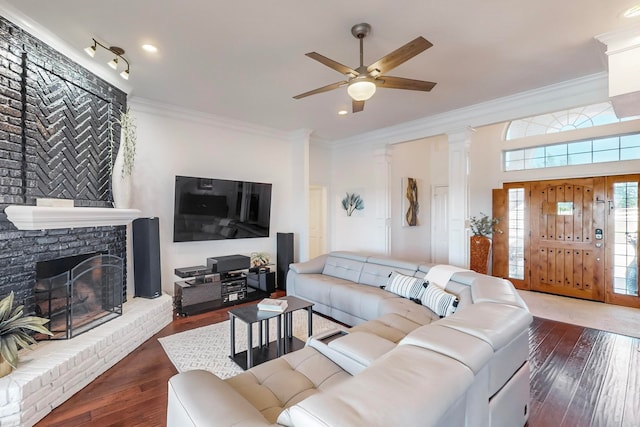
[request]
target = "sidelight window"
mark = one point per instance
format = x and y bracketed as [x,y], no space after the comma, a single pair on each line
[625,209]
[516,233]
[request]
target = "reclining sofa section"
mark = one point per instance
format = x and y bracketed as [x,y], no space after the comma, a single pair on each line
[400,364]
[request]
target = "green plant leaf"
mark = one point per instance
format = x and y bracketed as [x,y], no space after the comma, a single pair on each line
[5,307]
[14,327]
[9,350]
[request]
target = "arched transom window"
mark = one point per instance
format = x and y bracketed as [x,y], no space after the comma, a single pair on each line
[612,148]
[561,121]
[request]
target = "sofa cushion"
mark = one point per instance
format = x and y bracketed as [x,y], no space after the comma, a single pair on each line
[190,397]
[406,308]
[375,271]
[497,324]
[358,300]
[362,347]
[317,287]
[391,327]
[405,286]
[396,390]
[273,386]
[466,349]
[342,267]
[439,301]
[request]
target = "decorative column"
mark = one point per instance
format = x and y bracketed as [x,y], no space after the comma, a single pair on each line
[459,197]
[623,56]
[300,187]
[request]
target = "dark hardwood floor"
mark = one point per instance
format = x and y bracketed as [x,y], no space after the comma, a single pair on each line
[579,377]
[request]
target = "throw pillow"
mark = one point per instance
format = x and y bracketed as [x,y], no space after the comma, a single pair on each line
[405,286]
[439,301]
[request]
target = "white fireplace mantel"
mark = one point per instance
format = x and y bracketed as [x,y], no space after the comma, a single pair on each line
[45,217]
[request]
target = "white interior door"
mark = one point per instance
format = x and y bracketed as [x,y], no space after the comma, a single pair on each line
[317,221]
[440,225]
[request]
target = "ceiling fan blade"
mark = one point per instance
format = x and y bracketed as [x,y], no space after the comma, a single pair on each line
[357,106]
[321,89]
[399,56]
[402,83]
[343,69]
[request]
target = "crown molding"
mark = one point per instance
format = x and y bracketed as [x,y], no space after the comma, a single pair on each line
[172,111]
[581,91]
[40,32]
[621,40]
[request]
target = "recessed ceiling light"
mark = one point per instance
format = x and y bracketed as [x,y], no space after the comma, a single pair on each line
[632,12]
[150,48]
[343,112]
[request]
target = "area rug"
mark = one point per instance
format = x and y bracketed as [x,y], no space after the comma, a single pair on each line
[208,347]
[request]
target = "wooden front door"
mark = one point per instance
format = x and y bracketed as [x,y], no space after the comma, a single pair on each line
[568,236]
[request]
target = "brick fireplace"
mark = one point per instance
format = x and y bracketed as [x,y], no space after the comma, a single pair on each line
[56,122]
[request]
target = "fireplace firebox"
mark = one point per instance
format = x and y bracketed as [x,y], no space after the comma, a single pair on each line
[78,293]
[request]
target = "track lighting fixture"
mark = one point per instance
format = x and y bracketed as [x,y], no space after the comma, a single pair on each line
[117,51]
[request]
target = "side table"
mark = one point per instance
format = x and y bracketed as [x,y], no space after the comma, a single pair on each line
[264,351]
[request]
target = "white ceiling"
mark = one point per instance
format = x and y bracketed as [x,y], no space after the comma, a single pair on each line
[244,60]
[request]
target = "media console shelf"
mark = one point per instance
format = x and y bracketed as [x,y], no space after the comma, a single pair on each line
[213,291]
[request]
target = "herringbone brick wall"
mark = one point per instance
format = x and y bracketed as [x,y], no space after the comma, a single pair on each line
[54,143]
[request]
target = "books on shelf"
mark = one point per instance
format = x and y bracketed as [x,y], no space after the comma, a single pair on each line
[271,304]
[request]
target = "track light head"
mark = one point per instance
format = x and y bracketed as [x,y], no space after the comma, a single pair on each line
[117,51]
[91,50]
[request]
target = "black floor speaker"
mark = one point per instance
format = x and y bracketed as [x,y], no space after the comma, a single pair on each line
[146,257]
[284,258]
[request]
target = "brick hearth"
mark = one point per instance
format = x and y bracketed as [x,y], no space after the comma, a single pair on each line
[56,370]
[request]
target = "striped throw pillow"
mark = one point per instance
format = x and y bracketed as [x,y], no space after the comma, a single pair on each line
[405,286]
[439,301]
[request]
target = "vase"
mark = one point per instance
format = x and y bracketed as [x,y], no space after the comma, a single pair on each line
[480,251]
[5,367]
[120,183]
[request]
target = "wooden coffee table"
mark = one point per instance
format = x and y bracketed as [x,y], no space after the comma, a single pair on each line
[285,341]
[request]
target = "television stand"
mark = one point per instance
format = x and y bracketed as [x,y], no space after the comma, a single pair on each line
[215,292]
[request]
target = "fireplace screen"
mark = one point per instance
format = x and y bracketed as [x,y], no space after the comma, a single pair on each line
[78,293]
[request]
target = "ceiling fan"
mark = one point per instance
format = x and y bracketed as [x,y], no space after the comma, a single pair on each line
[363,81]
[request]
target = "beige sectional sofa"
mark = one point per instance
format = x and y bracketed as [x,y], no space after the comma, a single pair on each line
[400,364]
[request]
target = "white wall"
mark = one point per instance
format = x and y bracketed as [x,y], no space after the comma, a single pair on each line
[173,142]
[364,170]
[411,159]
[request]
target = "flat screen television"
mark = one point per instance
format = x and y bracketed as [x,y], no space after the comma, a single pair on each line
[216,209]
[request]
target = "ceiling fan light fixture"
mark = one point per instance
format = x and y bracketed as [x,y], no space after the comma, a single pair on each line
[361,89]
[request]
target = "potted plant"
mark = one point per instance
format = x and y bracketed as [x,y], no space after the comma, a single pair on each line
[480,242]
[259,259]
[14,333]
